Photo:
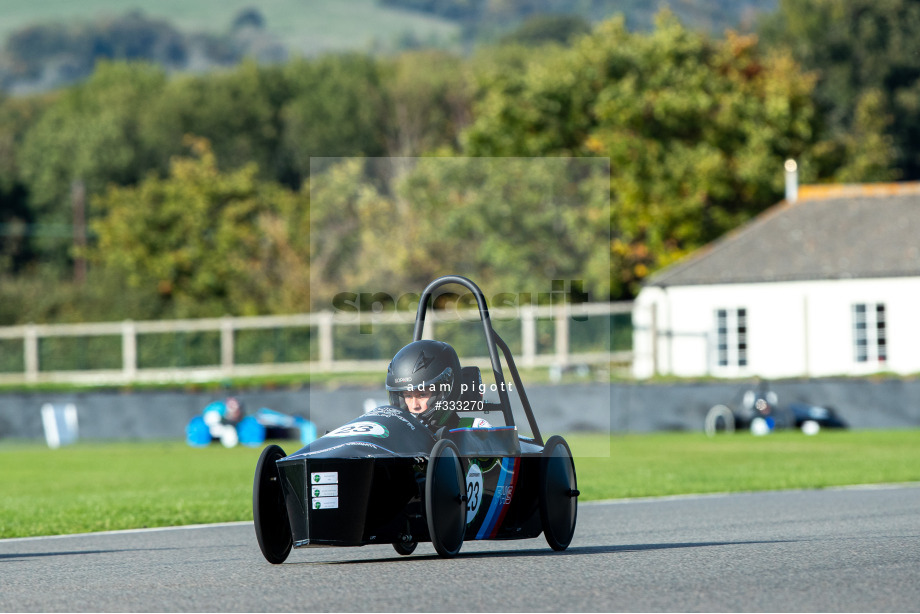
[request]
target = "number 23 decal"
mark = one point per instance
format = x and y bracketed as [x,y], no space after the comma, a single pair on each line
[473,492]
[360,428]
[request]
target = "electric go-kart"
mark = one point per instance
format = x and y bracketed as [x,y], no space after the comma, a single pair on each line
[214,425]
[385,478]
[761,412]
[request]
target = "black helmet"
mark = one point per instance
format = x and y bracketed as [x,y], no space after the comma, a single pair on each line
[431,366]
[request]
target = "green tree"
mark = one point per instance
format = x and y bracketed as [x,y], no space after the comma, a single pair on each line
[429,102]
[17,220]
[337,108]
[865,52]
[89,134]
[42,296]
[54,53]
[512,224]
[209,242]
[541,29]
[696,130]
[51,54]
[238,111]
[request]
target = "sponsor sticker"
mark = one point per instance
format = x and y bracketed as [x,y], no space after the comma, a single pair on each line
[325,503]
[324,490]
[503,495]
[356,429]
[324,477]
[473,492]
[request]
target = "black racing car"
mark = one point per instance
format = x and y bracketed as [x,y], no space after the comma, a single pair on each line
[760,411]
[385,477]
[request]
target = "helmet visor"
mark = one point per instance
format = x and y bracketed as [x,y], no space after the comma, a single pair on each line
[439,388]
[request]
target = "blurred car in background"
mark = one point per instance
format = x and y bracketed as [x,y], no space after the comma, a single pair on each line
[225,421]
[761,412]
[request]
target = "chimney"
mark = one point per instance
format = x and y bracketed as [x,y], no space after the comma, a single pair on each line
[792,181]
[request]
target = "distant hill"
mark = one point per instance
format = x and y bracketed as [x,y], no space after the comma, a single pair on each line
[304,26]
[710,15]
[46,44]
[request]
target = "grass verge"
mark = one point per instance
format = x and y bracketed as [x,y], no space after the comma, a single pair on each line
[107,486]
[679,463]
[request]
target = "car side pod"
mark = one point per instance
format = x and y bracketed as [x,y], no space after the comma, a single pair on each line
[558,493]
[269,514]
[445,499]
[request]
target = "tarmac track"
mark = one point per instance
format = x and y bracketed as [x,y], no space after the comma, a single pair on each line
[852,549]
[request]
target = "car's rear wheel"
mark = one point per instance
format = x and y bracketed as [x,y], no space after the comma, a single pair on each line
[273,529]
[558,493]
[445,499]
[405,548]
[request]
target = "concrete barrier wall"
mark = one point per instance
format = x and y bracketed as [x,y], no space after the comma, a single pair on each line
[565,408]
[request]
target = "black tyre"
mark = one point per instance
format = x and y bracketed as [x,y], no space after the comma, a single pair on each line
[405,548]
[445,499]
[273,529]
[719,418]
[558,493]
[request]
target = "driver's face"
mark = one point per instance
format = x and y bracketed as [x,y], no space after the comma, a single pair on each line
[417,400]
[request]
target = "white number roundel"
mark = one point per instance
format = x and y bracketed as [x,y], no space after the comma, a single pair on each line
[356,429]
[473,492]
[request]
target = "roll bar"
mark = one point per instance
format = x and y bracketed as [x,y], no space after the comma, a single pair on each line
[493,341]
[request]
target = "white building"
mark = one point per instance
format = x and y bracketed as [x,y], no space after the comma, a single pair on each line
[826,285]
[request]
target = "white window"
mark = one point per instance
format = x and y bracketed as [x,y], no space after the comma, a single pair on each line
[731,337]
[870,337]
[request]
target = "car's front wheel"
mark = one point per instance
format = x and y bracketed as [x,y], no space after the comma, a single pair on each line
[269,514]
[445,499]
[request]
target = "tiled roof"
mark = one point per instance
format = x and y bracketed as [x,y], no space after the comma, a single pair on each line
[831,232]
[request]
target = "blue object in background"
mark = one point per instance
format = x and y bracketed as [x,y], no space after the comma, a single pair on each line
[251,433]
[271,418]
[252,430]
[197,433]
[307,431]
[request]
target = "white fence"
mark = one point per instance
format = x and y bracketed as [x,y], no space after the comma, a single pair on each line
[325,361]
